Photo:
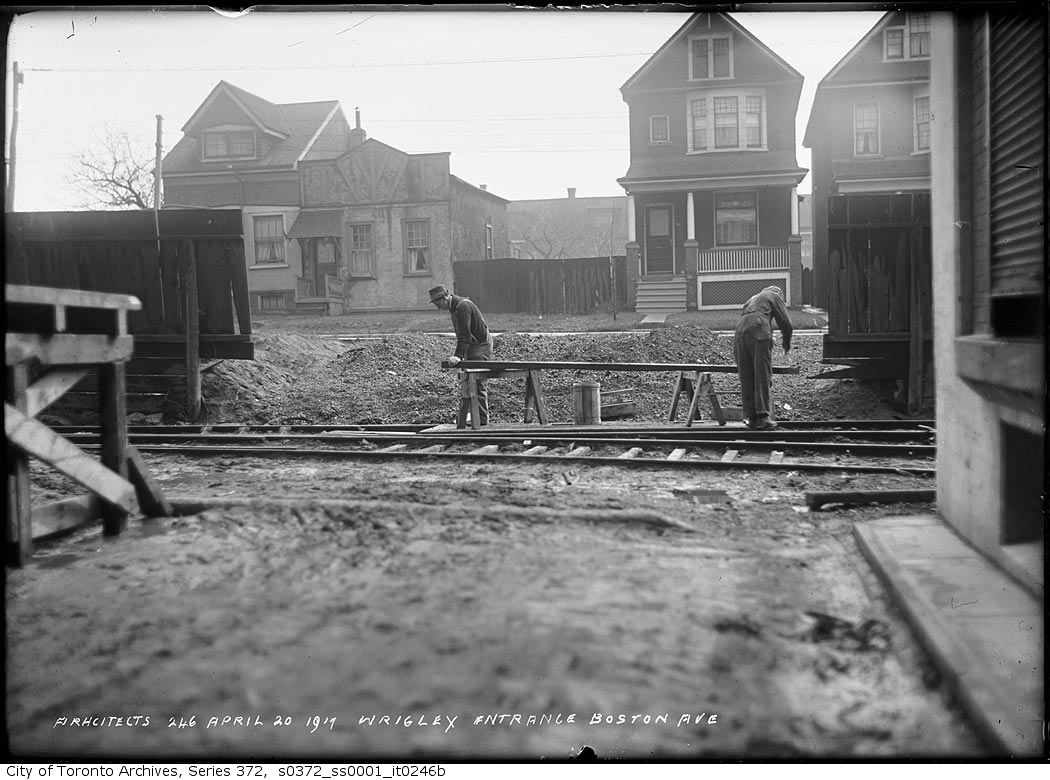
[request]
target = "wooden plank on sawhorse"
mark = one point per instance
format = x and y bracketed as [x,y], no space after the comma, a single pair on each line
[534,398]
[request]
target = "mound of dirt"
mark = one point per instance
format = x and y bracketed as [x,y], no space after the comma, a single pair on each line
[303,379]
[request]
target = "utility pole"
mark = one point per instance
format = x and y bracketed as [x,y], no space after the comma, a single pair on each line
[156,173]
[17,78]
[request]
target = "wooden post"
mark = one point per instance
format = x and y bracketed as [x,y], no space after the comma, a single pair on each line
[193,362]
[915,320]
[475,410]
[19,529]
[113,429]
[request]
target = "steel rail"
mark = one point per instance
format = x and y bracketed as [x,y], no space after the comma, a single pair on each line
[571,365]
[489,457]
[889,450]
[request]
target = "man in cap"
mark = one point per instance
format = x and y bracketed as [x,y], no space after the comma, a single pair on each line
[753,349]
[473,341]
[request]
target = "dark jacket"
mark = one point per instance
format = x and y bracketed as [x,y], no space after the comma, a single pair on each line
[468,323]
[758,314]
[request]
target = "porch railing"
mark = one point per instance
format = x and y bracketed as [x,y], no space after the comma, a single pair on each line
[333,286]
[751,259]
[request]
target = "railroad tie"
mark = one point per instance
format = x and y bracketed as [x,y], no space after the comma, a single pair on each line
[393,448]
[634,452]
[488,449]
[776,456]
[677,453]
[579,450]
[535,451]
[433,448]
[729,455]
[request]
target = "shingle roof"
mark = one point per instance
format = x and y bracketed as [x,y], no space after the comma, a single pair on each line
[317,223]
[299,121]
[704,166]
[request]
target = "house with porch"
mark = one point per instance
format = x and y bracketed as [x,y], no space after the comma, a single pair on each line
[334,221]
[712,183]
[869,130]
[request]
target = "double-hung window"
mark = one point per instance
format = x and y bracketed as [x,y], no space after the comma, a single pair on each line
[710,57]
[269,239]
[227,144]
[417,246]
[723,120]
[362,250]
[922,123]
[909,41]
[736,219]
[659,130]
[865,129]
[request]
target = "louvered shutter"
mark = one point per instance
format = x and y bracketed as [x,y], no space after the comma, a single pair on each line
[1017,80]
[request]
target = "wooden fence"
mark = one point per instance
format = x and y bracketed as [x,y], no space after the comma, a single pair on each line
[563,286]
[197,266]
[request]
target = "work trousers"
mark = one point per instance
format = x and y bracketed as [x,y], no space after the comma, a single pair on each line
[478,352]
[754,361]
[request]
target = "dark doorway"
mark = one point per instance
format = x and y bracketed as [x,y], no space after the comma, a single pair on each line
[659,240]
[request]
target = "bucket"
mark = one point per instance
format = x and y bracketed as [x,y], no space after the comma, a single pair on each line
[586,403]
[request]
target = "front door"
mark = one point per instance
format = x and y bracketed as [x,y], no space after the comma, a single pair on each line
[659,240]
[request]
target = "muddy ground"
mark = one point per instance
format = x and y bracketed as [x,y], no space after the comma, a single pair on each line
[706,610]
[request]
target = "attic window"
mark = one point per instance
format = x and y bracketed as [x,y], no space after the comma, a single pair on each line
[229,144]
[710,57]
[910,41]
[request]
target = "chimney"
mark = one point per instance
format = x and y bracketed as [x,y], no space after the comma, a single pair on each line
[484,187]
[572,193]
[357,135]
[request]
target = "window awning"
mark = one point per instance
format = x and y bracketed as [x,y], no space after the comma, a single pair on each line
[318,223]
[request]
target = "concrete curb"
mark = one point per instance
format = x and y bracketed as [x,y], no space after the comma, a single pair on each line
[1002,713]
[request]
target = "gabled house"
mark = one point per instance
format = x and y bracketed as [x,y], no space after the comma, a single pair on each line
[712,201]
[547,228]
[333,220]
[869,130]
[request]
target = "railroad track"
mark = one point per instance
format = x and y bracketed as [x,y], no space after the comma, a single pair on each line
[851,446]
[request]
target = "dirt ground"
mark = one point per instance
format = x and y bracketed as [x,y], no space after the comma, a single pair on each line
[485,611]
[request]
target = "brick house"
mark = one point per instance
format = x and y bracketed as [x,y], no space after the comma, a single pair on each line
[712,184]
[869,130]
[333,221]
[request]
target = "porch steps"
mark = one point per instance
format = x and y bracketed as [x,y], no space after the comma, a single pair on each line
[657,298]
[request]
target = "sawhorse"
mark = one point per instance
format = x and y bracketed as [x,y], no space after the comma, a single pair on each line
[468,401]
[695,384]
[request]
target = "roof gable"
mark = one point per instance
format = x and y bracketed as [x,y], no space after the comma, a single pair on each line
[673,55]
[864,62]
[225,97]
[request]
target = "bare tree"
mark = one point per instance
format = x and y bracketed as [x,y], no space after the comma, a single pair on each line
[116,172]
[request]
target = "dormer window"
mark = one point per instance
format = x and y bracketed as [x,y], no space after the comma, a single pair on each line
[710,57]
[910,41]
[228,144]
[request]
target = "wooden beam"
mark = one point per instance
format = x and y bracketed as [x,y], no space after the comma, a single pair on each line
[50,387]
[816,500]
[18,534]
[65,515]
[509,365]
[193,358]
[113,431]
[56,296]
[36,439]
[151,498]
[66,349]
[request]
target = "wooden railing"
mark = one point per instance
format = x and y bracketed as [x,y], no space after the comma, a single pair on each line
[302,288]
[751,259]
[333,286]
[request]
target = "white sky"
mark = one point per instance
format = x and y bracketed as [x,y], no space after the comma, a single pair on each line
[527,101]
